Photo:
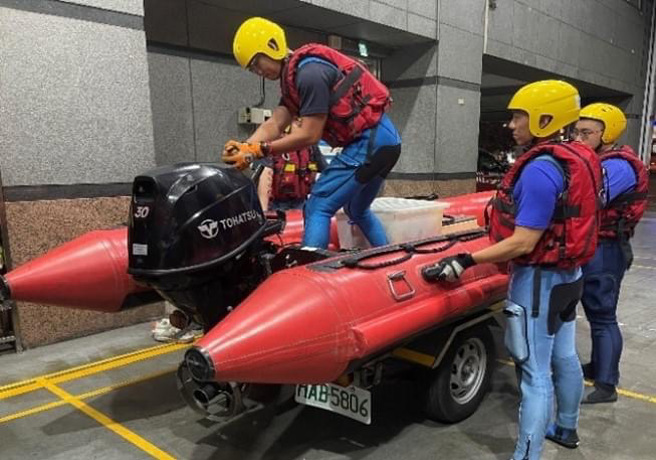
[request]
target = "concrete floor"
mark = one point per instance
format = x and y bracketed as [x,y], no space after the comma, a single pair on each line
[129,408]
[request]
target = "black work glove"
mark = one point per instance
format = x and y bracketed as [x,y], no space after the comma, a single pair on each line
[448,269]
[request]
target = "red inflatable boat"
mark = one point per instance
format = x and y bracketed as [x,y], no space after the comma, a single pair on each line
[309,324]
[274,313]
[91,272]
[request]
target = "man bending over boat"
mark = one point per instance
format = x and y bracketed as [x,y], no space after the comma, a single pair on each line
[334,98]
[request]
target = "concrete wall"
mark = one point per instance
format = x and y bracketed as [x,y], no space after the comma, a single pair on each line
[75,120]
[436,89]
[74,91]
[600,42]
[416,16]
[195,99]
[597,41]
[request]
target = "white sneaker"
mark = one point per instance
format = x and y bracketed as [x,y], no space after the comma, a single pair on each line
[165,332]
[162,325]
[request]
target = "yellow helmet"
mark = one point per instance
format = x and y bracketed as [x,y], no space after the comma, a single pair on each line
[555,98]
[258,35]
[612,117]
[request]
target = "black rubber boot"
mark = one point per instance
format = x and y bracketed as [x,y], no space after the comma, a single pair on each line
[564,436]
[600,393]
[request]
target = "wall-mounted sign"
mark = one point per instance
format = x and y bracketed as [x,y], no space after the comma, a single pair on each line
[362,48]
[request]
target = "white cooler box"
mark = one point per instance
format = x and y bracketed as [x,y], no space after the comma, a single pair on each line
[403,219]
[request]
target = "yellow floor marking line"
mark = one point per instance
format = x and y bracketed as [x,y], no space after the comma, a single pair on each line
[643,266]
[108,423]
[127,383]
[32,411]
[638,396]
[27,386]
[588,383]
[85,366]
[90,394]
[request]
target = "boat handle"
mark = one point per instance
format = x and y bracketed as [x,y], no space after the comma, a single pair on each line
[400,276]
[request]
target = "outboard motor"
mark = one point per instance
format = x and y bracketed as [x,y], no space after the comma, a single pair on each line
[195,236]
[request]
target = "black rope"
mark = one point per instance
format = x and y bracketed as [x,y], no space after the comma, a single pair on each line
[350,263]
[410,249]
[436,250]
[354,262]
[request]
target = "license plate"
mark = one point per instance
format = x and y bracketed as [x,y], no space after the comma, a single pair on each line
[351,401]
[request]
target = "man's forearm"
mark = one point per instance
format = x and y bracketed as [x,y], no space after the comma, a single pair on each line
[267,131]
[515,246]
[297,140]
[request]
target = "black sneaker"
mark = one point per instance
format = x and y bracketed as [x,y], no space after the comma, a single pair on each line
[598,394]
[564,436]
[588,371]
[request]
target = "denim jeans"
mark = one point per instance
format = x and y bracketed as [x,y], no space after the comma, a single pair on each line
[551,365]
[602,278]
[339,187]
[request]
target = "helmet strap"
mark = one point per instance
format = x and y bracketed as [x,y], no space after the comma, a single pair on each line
[606,147]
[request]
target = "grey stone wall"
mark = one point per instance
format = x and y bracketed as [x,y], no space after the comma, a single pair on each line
[436,89]
[601,42]
[124,6]
[597,41]
[74,109]
[74,95]
[195,100]
[415,16]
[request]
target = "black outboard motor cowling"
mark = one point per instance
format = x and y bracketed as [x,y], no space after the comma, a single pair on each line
[193,233]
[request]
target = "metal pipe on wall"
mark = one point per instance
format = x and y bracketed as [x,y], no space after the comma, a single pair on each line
[646,127]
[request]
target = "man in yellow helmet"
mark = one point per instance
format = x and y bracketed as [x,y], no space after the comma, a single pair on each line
[335,98]
[544,222]
[625,186]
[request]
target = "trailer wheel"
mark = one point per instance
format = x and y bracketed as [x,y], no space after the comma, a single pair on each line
[457,387]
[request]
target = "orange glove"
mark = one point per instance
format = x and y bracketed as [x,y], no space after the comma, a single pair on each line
[242,154]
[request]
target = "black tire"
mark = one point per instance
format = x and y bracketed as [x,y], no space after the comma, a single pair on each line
[456,388]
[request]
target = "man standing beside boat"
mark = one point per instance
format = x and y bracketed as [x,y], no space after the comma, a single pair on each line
[625,190]
[544,221]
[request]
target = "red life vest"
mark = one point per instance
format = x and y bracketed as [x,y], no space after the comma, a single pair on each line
[294,174]
[357,101]
[621,215]
[571,239]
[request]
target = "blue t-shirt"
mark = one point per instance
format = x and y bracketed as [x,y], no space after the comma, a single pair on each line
[315,79]
[536,192]
[619,177]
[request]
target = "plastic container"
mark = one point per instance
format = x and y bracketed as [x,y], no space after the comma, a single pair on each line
[403,219]
[458,224]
